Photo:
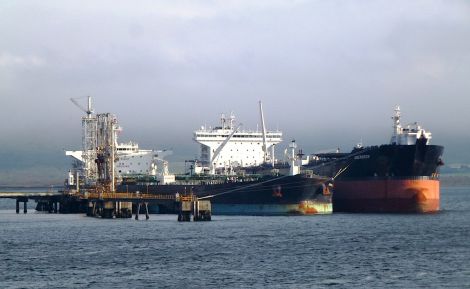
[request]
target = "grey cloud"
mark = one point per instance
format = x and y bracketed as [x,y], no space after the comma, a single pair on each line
[329,72]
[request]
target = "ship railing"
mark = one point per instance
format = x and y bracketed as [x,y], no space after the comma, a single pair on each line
[127,196]
[185,198]
[348,156]
[412,178]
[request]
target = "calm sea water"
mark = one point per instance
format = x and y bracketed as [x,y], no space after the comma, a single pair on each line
[337,251]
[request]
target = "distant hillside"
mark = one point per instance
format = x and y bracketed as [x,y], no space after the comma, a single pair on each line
[455,180]
[455,169]
[37,176]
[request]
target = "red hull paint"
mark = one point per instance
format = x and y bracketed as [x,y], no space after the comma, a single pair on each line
[389,196]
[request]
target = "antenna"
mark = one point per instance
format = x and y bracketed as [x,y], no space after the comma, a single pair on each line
[397,129]
[396,117]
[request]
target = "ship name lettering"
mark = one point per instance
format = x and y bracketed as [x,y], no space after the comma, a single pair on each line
[362,157]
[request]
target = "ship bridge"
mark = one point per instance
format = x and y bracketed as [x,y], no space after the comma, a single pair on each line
[228,146]
[407,135]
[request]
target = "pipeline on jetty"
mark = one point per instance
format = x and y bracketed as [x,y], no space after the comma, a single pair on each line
[112,204]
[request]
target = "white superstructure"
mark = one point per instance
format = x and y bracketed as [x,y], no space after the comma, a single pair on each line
[227,146]
[132,160]
[409,134]
[129,159]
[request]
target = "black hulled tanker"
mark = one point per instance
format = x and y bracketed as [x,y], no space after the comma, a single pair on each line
[400,177]
[249,195]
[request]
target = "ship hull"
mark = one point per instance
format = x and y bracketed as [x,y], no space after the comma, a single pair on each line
[385,179]
[387,196]
[285,195]
[311,207]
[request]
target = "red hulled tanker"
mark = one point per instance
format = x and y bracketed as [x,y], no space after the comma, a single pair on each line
[400,177]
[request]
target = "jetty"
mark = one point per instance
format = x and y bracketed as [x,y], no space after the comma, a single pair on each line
[48,200]
[111,204]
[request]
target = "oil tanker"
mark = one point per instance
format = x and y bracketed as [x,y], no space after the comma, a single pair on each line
[400,177]
[301,194]
[221,173]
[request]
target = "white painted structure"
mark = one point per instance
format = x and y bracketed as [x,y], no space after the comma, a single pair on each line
[107,127]
[294,161]
[409,134]
[165,177]
[129,159]
[226,146]
[89,141]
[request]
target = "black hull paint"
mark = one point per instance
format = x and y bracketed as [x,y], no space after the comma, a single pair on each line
[266,191]
[400,161]
[386,178]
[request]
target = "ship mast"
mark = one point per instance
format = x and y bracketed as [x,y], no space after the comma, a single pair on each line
[396,125]
[294,168]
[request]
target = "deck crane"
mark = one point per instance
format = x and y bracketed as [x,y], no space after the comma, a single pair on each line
[219,149]
[89,110]
[263,127]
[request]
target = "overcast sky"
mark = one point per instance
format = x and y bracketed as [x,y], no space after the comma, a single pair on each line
[329,73]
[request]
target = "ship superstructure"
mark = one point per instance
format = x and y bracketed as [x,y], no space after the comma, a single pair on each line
[227,147]
[135,161]
[129,159]
[223,148]
[409,134]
